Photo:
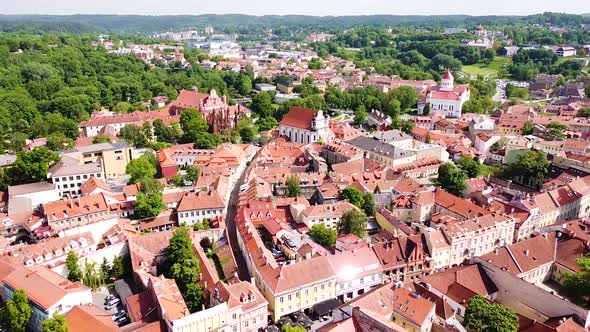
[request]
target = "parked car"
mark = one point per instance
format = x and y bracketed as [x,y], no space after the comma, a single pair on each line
[108,298]
[121,320]
[119,314]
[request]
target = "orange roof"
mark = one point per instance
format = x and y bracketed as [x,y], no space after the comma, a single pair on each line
[92,184]
[411,306]
[525,255]
[299,117]
[458,205]
[81,317]
[43,286]
[80,206]
[200,200]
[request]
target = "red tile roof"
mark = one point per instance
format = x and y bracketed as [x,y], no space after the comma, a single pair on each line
[83,317]
[299,117]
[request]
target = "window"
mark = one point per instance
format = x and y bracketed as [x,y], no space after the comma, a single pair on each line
[281,299]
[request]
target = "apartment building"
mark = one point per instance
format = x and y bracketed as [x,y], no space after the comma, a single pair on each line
[194,207]
[113,157]
[326,214]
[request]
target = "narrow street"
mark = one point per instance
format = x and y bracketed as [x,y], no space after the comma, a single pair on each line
[230,223]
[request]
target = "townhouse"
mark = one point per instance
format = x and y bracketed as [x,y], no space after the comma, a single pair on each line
[194,207]
[326,214]
[357,272]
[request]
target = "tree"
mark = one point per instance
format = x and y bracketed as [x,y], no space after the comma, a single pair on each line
[471,166]
[426,109]
[262,104]
[353,222]
[101,138]
[185,268]
[134,135]
[488,317]
[315,63]
[323,235]
[116,271]
[193,126]
[265,124]
[178,181]
[290,328]
[556,129]
[57,323]
[368,204]
[585,112]
[529,168]
[451,179]
[577,284]
[59,142]
[247,130]
[192,174]
[142,167]
[31,166]
[293,187]
[74,271]
[354,196]
[105,269]
[121,107]
[528,128]
[148,206]
[18,311]
[245,85]
[360,115]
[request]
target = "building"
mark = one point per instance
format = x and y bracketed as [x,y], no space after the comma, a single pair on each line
[194,207]
[394,137]
[49,293]
[385,153]
[72,212]
[27,197]
[446,98]
[378,120]
[82,316]
[68,175]
[113,157]
[357,272]
[326,214]
[303,125]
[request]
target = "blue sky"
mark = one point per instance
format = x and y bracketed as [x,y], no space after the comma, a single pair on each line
[307,7]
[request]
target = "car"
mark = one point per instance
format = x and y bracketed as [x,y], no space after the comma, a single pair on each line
[281,259]
[121,320]
[108,298]
[119,314]
[113,302]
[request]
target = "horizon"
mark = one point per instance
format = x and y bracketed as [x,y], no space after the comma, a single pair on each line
[326,8]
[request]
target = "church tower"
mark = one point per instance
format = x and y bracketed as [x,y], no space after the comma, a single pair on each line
[447,82]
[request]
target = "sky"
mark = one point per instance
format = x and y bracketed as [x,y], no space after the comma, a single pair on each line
[285,7]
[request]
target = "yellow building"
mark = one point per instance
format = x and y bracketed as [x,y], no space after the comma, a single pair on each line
[114,157]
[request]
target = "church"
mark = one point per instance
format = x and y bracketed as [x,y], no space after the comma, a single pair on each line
[303,125]
[446,99]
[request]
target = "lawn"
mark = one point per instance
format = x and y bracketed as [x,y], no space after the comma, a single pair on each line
[490,70]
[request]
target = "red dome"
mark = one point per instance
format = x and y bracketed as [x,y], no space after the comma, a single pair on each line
[448,75]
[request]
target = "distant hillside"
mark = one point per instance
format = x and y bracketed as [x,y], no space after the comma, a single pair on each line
[135,24]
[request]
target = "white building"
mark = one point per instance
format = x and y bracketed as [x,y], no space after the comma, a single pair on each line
[69,174]
[327,214]
[303,125]
[356,272]
[447,98]
[26,197]
[194,207]
[49,293]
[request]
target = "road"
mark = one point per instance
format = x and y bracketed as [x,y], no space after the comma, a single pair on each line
[230,224]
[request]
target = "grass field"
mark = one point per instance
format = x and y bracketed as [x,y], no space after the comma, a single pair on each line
[490,70]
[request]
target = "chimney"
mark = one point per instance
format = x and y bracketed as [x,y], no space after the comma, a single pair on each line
[526,252]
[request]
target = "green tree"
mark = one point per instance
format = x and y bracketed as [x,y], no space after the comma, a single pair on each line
[323,235]
[290,328]
[105,269]
[265,124]
[247,130]
[360,115]
[262,105]
[142,167]
[293,187]
[368,204]
[57,323]
[178,181]
[134,135]
[353,222]
[31,166]
[185,268]
[148,206]
[488,317]
[245,85]
[471,166]
[74,271]
[577,284]
[18,311]
[528,128]
[116,271]
[529,167]
[426,109]
[194,127]
[59,142]
[121,107]
[192,174]
[451,179]
[354,196]
[556,129]
[101,138]
[315,63]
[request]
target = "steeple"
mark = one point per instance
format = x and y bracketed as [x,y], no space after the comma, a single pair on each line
[447,81]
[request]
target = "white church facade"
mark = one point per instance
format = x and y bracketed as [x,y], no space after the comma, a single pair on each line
[446,99]
[303,125]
